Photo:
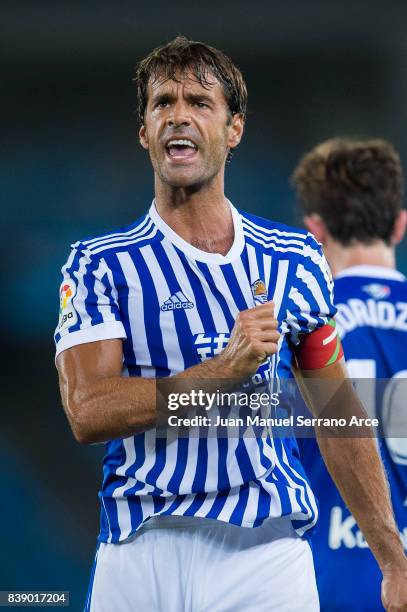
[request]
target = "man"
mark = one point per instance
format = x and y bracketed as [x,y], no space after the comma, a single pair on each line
[201,523]
[351,193]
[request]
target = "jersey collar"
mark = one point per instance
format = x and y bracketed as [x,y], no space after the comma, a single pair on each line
[372,272]
[187,248]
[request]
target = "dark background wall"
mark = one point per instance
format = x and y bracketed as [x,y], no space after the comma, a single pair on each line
[71,166]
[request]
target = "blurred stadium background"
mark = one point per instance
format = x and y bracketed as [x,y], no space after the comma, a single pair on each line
[71,166]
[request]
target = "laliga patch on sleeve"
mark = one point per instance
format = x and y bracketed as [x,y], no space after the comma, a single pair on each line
[67,313]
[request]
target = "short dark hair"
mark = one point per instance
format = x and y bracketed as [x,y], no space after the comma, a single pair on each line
[355,186]
[181,56]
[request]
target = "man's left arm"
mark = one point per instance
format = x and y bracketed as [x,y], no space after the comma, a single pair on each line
[353,462]
[356,468]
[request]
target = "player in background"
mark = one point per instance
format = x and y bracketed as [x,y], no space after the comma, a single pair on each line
[203,523]
[351,195]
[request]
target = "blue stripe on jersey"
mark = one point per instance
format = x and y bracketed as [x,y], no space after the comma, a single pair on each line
[119,280]
[140,454]
[104,522]
[91,299]
[183,331]
[217,294]
[151,305]
[199,293]
[263,506]
[136,511]
[245,261]
[245,465]
[196,504]
[238,513]
[153,474]
[114,458]
[180,466]
[234,287]
[285,361]
[223,476]
[109,294]
[110,507]
[218,505]
[175,505]
[198,483]
[272,280]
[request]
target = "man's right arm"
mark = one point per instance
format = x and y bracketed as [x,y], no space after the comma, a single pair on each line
[101,404]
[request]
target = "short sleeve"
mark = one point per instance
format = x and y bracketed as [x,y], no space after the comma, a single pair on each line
[88,303]
[310,298]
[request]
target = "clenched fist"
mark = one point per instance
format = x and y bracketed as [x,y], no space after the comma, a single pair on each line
[254,337]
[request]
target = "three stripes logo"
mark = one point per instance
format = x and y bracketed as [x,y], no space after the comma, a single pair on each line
[177,301]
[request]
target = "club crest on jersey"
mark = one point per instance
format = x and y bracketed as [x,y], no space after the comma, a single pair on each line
[259,291]
[377,291]
[177,301]
[67,313]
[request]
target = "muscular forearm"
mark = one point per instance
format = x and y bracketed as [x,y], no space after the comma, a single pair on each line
[106,408]
[118,407]
[356,468]
[354,463]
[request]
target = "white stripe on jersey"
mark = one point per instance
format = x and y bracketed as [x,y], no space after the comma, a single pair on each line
[136,310]
[244,284]
[123,509]
[309,280]
[267,269]
[127,243]
[192,314]
[280,249]
[303,306]
[143,227]
[272,240]
[273,231]
[216,312]
[82,291]
[251,255]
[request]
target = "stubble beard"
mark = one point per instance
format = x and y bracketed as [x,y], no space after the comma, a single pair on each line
[198,178]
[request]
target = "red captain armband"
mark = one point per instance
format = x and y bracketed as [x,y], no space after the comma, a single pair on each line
[320,348]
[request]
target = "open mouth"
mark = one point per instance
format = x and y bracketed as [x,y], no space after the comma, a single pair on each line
[181,149]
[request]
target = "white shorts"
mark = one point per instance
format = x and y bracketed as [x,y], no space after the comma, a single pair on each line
[185,564]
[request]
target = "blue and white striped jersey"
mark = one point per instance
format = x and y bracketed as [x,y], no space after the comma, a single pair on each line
[372,322]
[174,305]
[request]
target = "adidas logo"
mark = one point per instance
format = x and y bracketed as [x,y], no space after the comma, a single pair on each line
[177,301]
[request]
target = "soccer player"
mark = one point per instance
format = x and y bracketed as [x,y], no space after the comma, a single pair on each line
[197,290]
[351,193]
